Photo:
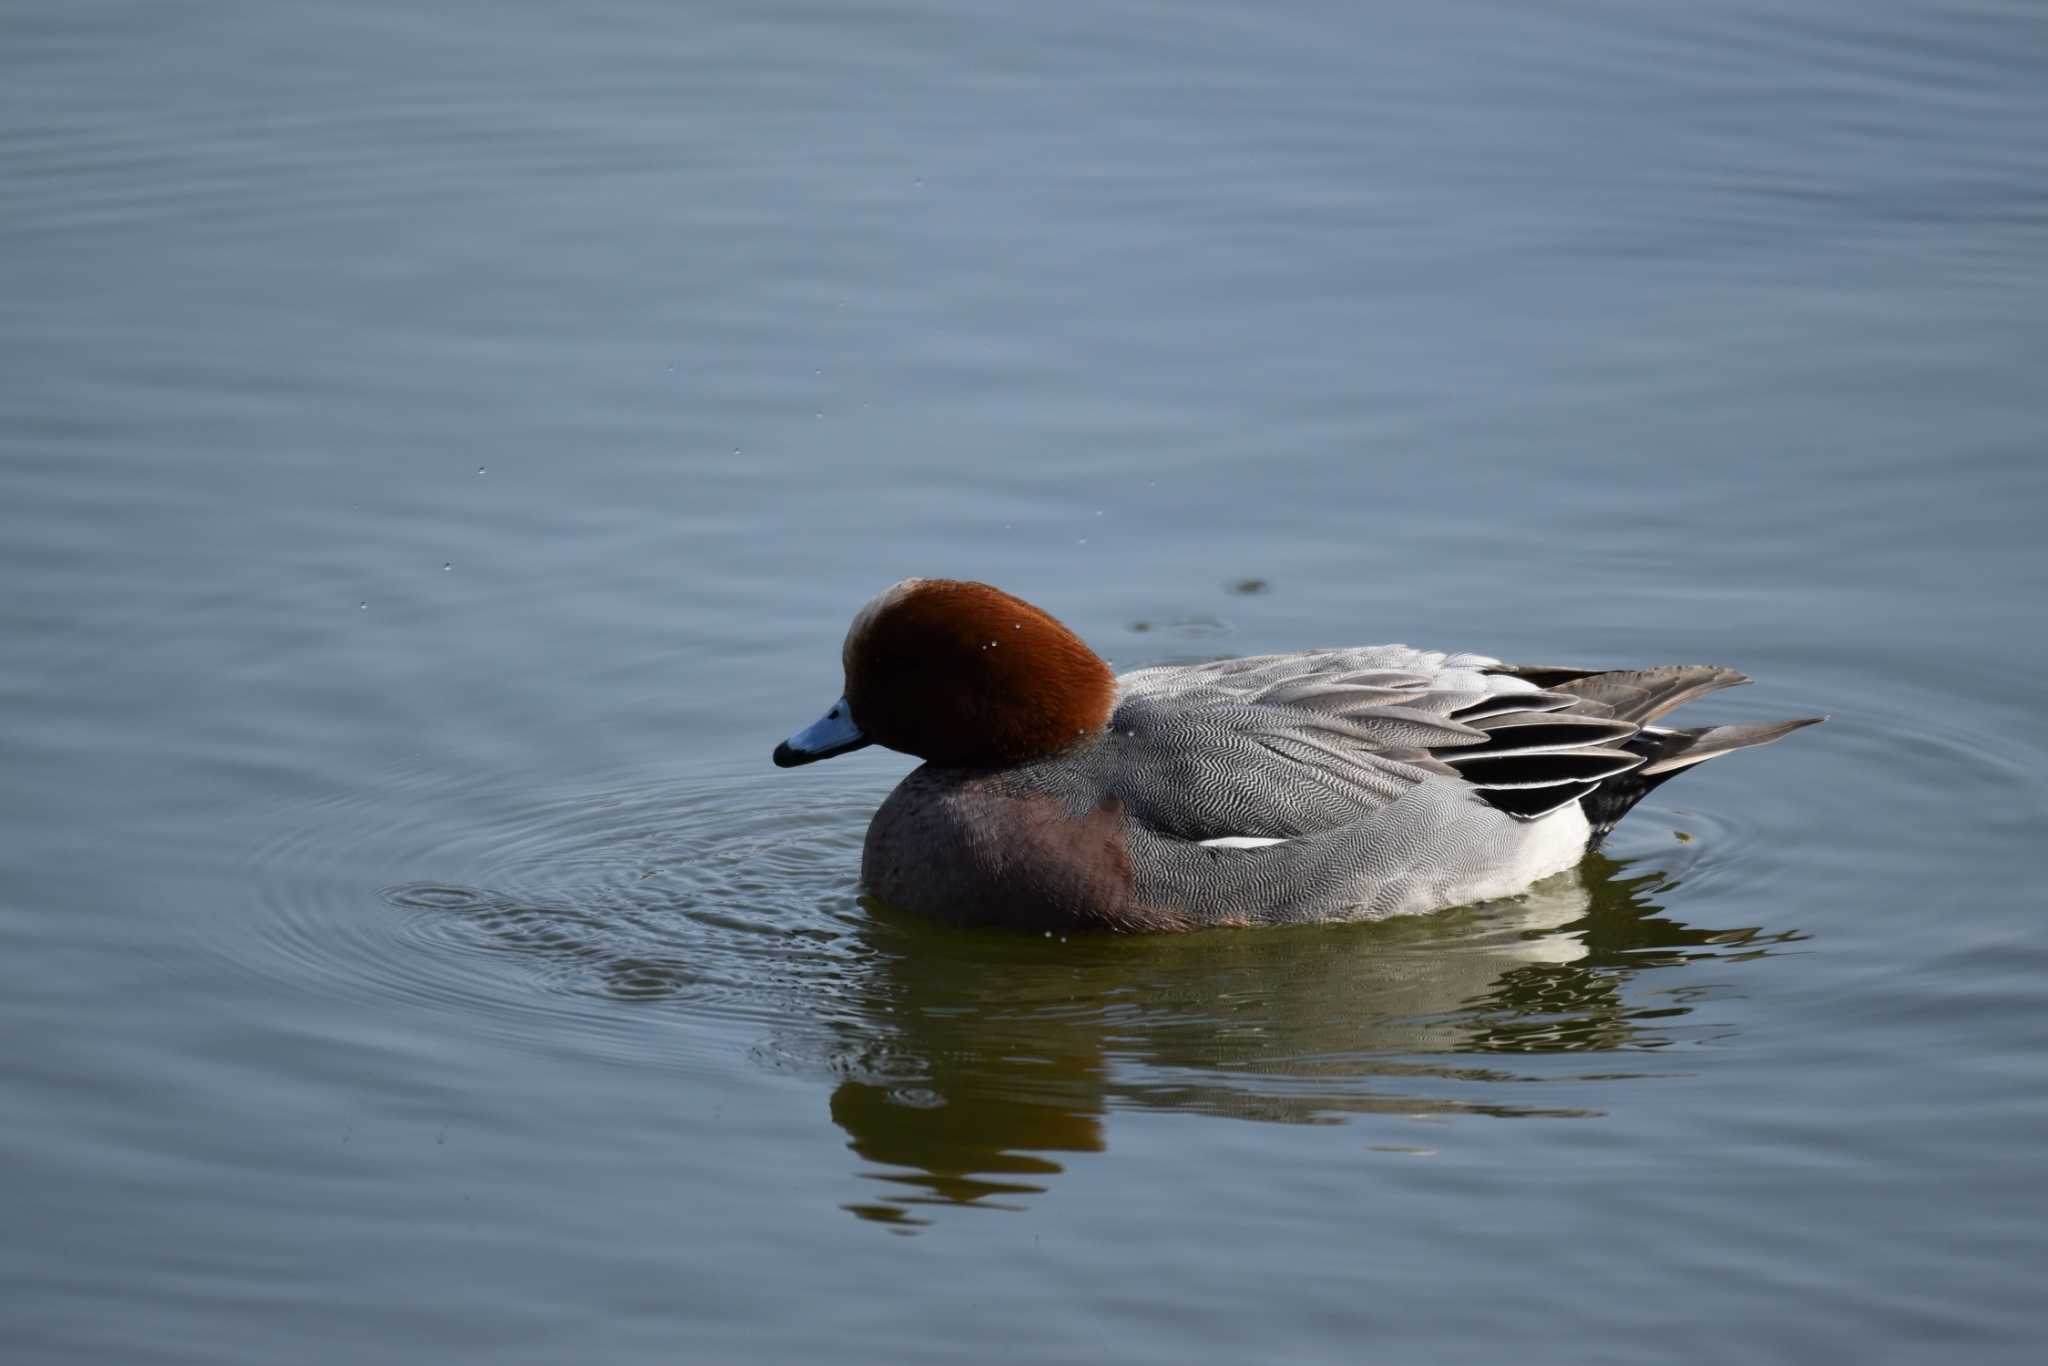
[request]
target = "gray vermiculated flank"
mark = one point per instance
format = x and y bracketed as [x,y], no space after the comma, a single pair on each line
[1395,776]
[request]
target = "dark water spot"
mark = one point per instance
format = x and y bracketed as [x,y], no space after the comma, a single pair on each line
[1195,626]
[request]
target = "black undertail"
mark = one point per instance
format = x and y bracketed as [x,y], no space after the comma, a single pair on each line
[1586,737]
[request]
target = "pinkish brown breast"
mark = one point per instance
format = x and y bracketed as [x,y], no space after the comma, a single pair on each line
[980,848]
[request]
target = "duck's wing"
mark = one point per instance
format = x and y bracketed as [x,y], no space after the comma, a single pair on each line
[1276,746]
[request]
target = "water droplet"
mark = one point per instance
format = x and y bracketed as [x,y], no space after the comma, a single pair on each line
[479,469]
[447,565]
[363,606]
[1082,541]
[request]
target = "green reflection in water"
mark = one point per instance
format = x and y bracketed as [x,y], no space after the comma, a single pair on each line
[969,1061]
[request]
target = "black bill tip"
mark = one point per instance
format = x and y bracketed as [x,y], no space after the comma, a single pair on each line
[789,756]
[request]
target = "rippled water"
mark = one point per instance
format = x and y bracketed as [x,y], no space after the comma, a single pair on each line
[440,448]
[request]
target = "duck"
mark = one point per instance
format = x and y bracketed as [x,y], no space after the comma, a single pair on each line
[1321,785]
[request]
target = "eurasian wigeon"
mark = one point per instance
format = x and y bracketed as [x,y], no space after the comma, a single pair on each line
[1325,785]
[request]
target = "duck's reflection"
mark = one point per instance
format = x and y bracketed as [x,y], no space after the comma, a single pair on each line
[975,1060]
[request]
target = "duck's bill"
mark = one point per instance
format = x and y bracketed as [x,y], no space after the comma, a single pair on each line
[833,733]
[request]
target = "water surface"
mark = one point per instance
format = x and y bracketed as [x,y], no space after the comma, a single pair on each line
[440,448]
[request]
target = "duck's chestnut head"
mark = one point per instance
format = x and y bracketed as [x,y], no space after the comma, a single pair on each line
[960,674]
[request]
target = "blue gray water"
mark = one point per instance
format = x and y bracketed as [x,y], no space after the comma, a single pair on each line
[441,446]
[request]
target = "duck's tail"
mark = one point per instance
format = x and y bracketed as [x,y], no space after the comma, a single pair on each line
[1669,753]
[1643,695]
